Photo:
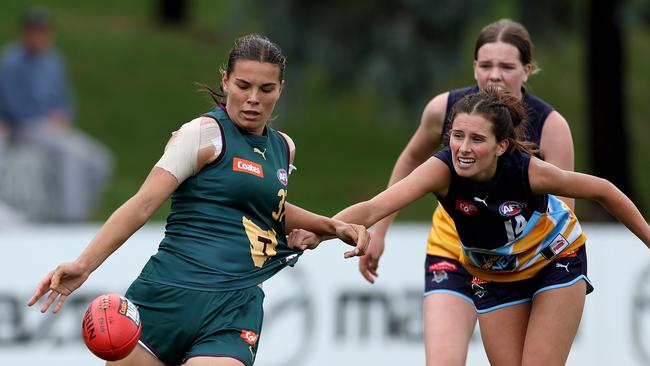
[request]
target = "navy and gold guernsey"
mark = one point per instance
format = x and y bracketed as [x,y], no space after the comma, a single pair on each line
[443,238]
[226,227]
[506,232]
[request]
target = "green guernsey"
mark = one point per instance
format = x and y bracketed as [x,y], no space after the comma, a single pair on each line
[226,227]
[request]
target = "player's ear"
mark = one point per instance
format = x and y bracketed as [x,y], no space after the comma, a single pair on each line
[502,146]
[224,81]
[281,87]
[528,70]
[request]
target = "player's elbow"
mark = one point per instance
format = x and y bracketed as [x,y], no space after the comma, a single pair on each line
[604,189]
[143,207]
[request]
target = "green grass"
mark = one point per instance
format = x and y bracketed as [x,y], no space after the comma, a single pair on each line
[133,83]
[133,80]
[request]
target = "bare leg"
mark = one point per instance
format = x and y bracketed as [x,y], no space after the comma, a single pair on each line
[448,325]
[139,357]
[554,320]
[212,361]
[503,332]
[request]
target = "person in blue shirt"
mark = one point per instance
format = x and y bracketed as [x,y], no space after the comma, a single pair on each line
[37,110]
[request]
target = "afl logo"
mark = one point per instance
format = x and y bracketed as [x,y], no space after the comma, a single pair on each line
[283,177]
[511,208]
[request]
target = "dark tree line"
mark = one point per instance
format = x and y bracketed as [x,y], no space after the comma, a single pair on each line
[605,89]
[405,49]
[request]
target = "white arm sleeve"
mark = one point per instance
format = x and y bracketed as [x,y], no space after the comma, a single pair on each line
[181,153]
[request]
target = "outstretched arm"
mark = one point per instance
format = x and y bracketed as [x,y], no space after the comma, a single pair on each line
[184,156]
[432,176]
[423,143]
[546,178]
[327,228]
[125,221]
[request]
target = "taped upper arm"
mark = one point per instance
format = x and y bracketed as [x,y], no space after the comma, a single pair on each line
[194,145]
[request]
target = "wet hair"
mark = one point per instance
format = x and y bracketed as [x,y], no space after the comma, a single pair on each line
[253,47]
[506,112]
[511,32]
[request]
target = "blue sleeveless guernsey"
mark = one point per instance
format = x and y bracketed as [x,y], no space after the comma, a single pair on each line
[443,239]
[226,228]
[506,232]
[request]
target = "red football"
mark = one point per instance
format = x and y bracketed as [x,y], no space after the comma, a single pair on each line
[111,327]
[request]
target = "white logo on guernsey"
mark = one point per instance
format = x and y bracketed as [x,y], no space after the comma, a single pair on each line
[251,168]
[283,177]
[565,266]
[263,153]
[511,208]
[246,166]
[483,201]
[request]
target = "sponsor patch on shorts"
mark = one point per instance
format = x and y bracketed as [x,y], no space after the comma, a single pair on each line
[477,287]
[249,336]
[442,266]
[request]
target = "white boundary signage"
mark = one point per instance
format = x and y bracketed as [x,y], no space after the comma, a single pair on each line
[321,312]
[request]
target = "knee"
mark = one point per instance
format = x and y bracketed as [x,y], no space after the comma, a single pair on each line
[447,359]
[446,353]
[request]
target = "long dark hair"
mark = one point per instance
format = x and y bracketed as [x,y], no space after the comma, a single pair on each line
[504,110]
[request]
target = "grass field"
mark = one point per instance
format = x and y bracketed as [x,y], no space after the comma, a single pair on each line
[134,86]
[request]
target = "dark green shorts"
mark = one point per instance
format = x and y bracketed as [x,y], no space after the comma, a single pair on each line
[179,323]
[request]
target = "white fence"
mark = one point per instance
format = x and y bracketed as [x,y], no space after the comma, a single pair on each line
[321,312]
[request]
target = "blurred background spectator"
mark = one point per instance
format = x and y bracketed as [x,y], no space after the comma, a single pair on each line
[50,171]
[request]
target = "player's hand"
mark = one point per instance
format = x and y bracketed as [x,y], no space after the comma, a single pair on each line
[369,263]
[355,235]
[61,282]
[300,239]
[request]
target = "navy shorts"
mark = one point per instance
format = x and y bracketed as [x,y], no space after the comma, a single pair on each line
[447,276]
[563,271]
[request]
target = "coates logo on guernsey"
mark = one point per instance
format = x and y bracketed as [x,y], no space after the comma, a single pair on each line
[249,336]
[468,208]
[283,177]
[246,166]
[511,208]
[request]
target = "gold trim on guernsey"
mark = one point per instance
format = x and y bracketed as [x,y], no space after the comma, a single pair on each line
[443,241]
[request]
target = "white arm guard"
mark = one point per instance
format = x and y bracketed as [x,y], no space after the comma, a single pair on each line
[182,150]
